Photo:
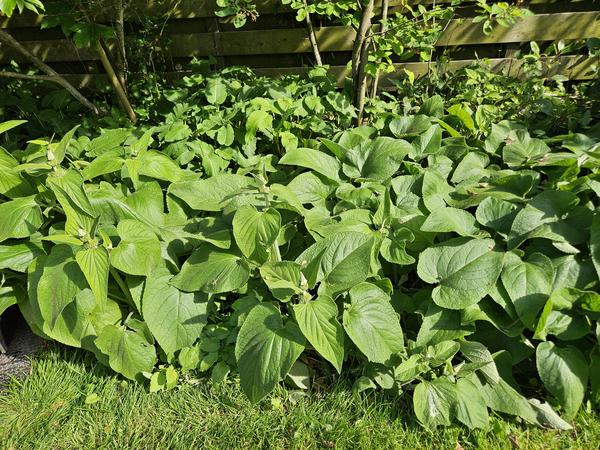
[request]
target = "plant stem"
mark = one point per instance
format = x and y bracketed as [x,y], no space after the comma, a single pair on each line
[312,37]
[112,76]
[51,74]
[385,5]
[360,56]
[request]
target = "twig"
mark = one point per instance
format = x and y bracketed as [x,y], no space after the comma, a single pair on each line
[10,41]
[360,57]
[385,5]
[112,76]
[361,34]
[312,37]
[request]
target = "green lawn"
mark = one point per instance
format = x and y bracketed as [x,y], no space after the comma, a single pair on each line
[48,410]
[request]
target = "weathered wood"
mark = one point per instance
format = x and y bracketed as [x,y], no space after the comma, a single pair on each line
[573,67]
[194,9]
[542,27]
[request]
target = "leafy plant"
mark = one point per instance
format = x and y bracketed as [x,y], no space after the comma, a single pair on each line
[255,232]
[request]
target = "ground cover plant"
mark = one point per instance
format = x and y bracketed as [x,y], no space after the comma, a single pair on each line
[248,229]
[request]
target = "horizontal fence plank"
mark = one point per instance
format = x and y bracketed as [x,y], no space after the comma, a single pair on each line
[194,9]
[573,67]
[541,27]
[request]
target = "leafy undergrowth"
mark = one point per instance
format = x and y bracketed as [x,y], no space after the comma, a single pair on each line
[439,253]
[49,410]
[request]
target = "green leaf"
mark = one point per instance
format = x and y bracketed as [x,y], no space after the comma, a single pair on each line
[435,190]
[377,159]
[60,282]
[340,261]
[18,256]
[496,214]
[56,156]
[19,218]
[225,135]
[478,353]
[103,165]
[595,242]
[212,194]
[546,208]
[9,296]
[212,270]
[139,250]
[470,405]
[255,231]
[464,269]
[159,166]
[528,284]
[428,143]
[215,91]
[446,220]
[94,263]
[564,372]
[434,402]
[283,278]
[10,124]
[372,323]
[176,319]
[265,350]
[318,321]
[128,352]
[318,161]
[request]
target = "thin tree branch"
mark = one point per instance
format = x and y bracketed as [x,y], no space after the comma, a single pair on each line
[23,76]
[361,81]
[361,34]
[122,52]
[112,76]
[312,37]
[10,41]
[385,5]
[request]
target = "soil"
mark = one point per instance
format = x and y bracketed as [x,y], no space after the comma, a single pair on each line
[22,345]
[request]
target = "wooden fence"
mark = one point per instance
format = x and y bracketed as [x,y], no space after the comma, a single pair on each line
[277,44]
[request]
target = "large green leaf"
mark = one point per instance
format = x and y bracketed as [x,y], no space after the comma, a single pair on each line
[139,250]
[94,263]
[212,270]
[564,372]
[446,220]
[283,278]
[18,256]
[377,159]
[318,161]
[318,321]
[464,269]
[546,208]
[265,350]
[215,91]
[434,402]
[372,323]
[214,193]
[255,231]
[470,405]
[128,352]
[528,284]
[175,318]
[61,280]
[19,218]
[56,156]
[340,261]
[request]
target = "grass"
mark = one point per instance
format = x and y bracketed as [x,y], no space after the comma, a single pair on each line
[48,410]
